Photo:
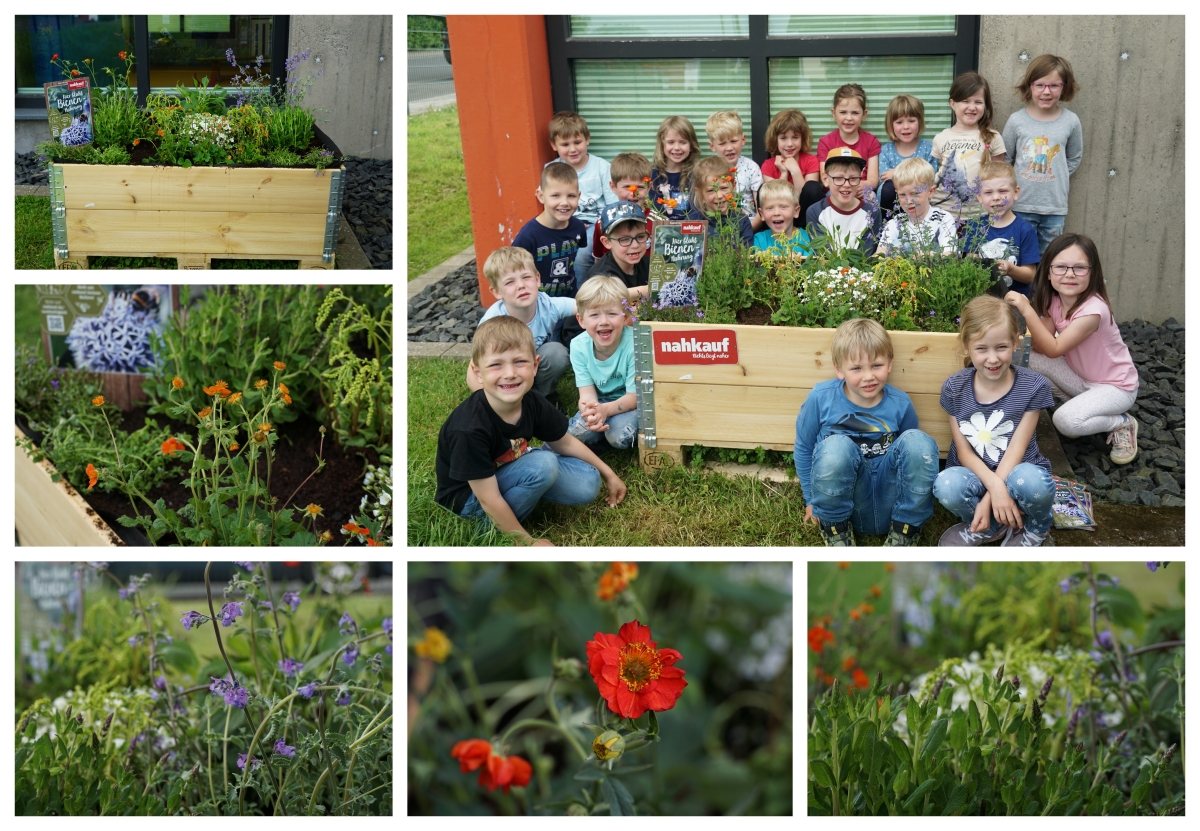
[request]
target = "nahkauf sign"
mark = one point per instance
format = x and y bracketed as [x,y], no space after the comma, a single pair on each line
[696,346]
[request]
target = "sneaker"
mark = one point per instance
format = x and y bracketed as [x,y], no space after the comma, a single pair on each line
[1023,538]
[838,534]
[961,534]
[902,534]
[1124,442]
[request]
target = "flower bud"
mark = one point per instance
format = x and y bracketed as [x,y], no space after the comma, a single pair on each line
[1079,747]
[608,745]
[1117,739]
[1016,682]
[577,810]
[937,688]
[569,668]
[891,691]
[1045,693]
[879,679]
[79,718]
[999,674]
[1169,755]
[107,723]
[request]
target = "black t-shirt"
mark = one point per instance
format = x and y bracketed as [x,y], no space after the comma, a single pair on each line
[474,442]
[607,265]
[553,251]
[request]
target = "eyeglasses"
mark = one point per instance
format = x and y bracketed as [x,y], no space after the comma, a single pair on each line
[1077,270]
[845,180]
[625,242]
[1051,87]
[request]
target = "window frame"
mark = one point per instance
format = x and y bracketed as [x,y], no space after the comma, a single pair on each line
[758,48]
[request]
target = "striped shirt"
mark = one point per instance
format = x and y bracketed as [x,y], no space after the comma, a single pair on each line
[989,427]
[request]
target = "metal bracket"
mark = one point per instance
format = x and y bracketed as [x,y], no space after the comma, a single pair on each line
[337,185]
[1024,347]
[58,210]
[643,364]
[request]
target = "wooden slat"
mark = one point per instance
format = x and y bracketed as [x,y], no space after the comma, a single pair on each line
[788,356]
[249,190]
[186,232]
[53,513]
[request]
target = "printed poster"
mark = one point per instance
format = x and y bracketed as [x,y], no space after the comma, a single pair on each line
[69,105]
[678,250]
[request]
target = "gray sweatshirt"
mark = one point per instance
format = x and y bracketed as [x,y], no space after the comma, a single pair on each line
[1046,153]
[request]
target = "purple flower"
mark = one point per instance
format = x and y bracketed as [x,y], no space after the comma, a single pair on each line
[229,57]
[98,565]
[346,624]
[220,685]
[238,697]
[387,627]
[350,655]
[242,762]
[1068,583]
[291,599]
[191,619]
[245,565]
[308,689]
[137,639]
[129,592]
[54,384]
[284,749]
[1153,566]
[161,682]
[289,667]
[1104,640]
[230,612]
[344,700]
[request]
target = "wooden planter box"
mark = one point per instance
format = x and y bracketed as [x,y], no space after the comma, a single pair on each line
[54,513]
[750,397]
[195,214]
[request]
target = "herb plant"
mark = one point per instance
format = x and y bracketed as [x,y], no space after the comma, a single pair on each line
[357,388]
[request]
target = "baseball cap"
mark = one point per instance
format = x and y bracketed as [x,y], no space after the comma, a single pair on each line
[613,215]
[846,154]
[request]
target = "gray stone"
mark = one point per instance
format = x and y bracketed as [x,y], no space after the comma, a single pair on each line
[1166,462]
[1148,498]
[415,330]
[1123,497]
[422,315]
[1090,459]
[1174,415]
[1170,501]
[1097,478]
[461,332]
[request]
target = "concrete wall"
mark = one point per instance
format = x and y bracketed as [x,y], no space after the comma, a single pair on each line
[29,134]
[1128,193]
[356,88]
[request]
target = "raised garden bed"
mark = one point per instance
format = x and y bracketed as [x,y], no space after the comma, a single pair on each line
[53,513]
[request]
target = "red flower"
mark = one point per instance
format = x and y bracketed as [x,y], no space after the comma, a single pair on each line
[876,591]
[849,663]
[74,73]
[632,674]
[860,679]
[121,55]
[172,446]
[818,636]
[472,754]
[92,475]
[504,772]
[55,58]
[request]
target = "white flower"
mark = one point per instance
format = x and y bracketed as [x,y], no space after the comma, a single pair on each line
[988,438]
[1021,481]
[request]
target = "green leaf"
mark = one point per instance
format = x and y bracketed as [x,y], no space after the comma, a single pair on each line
[933,741]
[175,796]
[958,798]
[653,728]
[1141,788]
[590,773]
[918,793]
[620,802]
[822,773]
[958,730]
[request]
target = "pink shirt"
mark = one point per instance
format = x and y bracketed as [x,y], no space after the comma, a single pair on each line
[1102,357]
[807,161]
[867,146]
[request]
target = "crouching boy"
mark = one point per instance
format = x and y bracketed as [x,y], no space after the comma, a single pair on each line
[486,469]
[602,358]
[861,460]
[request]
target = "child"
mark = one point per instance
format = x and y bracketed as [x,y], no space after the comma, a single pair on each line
[861,460]
[631,183]
[962,148]
[789,145]
[486,469]
[849,110]
[778,207]
[843,214]
[920,228]
[904,123]
[1087,361]
[1045,144]
[1003,235]
[569,137]
[602,358]
[676,151]
[624,237]
[513,278]
[996,479]
[712,196]
[555,235]
[726,138]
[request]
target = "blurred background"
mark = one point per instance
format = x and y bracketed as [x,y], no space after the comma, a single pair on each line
[726,746]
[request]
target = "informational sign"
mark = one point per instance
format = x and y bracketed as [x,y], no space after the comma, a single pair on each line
[102,328]
[46,591]
[696,346]
[69,105]
[678,249]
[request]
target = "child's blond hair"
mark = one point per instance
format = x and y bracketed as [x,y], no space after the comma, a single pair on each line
[500,334]
[677,124]
[914,171]
[1040,67]
[559,172]
[998,170]
[860,336]
[629,166]
[599,291]
[981,314]
[784,120]
[503,260]
[565,124]
[904,106]
[724,124]
[707,169]
[774,190]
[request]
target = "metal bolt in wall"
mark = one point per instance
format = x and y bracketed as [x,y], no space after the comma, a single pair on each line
[1112,173]
[1124,56]
[1024,56]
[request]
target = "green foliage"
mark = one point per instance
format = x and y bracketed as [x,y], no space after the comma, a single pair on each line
[283,158]
[200,98]
[435,171]
[729,270]
[249,129]
[424,31]
[289,128]
[85,154]
[782,459]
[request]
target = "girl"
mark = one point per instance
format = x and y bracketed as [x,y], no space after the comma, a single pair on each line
[789,146]
[849,110]
[714,200]
[676,151]
[996,479]
[962,148]
[1045,145]
[1078,347]
[904,122]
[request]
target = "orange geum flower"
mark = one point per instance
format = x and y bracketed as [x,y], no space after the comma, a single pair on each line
[351,528]
[505,772]
[867,608]
[280,365]
[818,636]
[855,614]
[260,383]
[373,542]
[204,413]
[172,446]
[849,663]
[283,388]
[843,566]
[264,427]
[220,388]
[876,591]
[177,382]
[98,401]
[313,509]
[287,399]
[472,754]
[632,673]
[860,679]
[233,446]
[161,133]
[92,475]
[136,142]
[235,397]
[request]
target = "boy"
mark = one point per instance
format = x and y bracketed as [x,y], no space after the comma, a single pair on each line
[861,460]
[602,358]
[1001,235]
[625,235]
[919,228]
[778,207]
[513,278]
[555,235]
[569,138]
[843,214]
[486,469]
[631,183]
[726,138]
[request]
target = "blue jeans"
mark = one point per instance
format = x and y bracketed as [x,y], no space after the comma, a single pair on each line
[872,492]
[540,474]
[584,258]
[555,360]
[1030,486]
[1048,226]
[621,433]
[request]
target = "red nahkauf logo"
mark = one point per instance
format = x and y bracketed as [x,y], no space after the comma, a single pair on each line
[698,346]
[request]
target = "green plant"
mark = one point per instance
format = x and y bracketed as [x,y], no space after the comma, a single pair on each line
[116,117]
[729,270]
[951,283]
[289,128]
[353,380]
[283,158]
[200,98]
[248,127]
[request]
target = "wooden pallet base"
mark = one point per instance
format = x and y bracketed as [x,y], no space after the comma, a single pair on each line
[199,262]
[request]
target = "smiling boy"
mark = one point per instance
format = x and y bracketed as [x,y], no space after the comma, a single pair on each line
[1002,235]
[778,208]
[570,137]
[555,235]
[602,358]
[842,214]
[485,468]
[726,138]
[919,228]
[861,461]
[625,237]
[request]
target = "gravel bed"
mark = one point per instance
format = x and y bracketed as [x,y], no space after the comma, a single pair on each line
[449,310]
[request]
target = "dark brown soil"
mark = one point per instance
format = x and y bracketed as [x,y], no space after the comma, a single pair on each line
[757,315]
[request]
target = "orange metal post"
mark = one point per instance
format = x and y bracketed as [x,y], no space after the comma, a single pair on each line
[502,82]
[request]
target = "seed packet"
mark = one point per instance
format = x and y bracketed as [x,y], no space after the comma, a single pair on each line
[1072,506]
[678,250]
[69,104]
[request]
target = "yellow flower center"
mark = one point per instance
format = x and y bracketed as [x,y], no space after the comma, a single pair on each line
[984,436]
[639,666]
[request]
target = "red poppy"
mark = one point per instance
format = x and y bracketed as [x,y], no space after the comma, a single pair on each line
[472,754]
[632,674]
[860,679]
[505,772]
[818,636]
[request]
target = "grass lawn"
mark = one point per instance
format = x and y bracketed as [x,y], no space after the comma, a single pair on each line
[437,191]
[679,506]
[28,323]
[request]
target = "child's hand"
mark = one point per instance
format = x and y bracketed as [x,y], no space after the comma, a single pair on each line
[886,176]
[808,515]
[1021,302]
[1006,510]
[782,167]
[983,514]
[594,417]
[616,489]
[793,169]
[542,543]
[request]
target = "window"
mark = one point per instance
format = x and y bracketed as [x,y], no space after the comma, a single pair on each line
[72,37]
[187,48]
[824,25]
[659,26]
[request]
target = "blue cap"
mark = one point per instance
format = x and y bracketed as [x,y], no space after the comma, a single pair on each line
[614,215]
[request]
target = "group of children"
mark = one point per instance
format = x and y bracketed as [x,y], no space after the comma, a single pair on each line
[568,280]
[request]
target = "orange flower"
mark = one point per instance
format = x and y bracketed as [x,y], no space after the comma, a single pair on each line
[351,528]
[233,447]
[373,542]
[889,567]
[87,60]
[632,673]
[204,413]
[845,270]
[472,754]
[233,399]
[645,179]
[280,365]
[121,54]
[75,74]
[505,772]
[260,383]
[172,446]
[283,388]
[98,401]
[287,399]
[616,580]
[904,285]
[818,636]
[867,608]
[161,133]
[92,475]
[313,509]
[264,427]
[136,142]
[849,663]
[177,382]
[860,679]
[876,591]
[843,566]
[55,58]
[855,614]
[220,388]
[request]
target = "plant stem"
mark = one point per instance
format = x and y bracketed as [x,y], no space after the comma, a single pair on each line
[225,750]
[558,719]
[254,650]
[313,799]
